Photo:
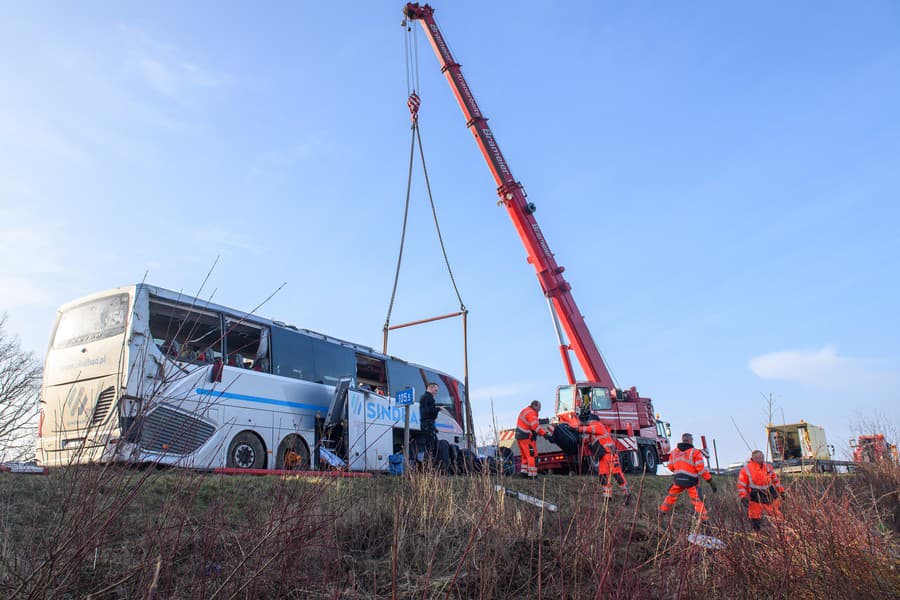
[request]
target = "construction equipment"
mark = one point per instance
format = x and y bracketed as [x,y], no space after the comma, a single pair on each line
[800,447]
[641,439]
[873,448]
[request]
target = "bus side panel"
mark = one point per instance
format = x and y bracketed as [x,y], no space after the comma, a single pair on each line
[270,406]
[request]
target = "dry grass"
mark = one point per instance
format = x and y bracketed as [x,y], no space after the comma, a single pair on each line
[117,533]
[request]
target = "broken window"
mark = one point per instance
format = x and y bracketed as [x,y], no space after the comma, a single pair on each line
[370,371]
[247,346]
[185,333]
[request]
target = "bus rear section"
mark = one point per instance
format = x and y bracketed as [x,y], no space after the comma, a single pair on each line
[82,378]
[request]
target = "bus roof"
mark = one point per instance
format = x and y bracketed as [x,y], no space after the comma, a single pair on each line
[182,298]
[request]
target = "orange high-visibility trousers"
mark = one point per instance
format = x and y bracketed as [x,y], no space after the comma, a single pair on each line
[756,510]
[608,468]
[528,452]
[692,491]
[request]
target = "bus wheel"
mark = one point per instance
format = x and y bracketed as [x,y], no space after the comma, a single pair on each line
[246,452]
[292,454]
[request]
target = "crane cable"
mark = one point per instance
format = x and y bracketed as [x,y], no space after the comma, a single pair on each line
[413,103]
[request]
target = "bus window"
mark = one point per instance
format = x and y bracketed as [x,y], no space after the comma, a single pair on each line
[292,354]
[443,397]
[246,346]
[185,334]
[370,371]
[333,361]
[402,375]
[91,321]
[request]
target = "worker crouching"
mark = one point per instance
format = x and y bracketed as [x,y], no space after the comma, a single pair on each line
[600,442]
[527,429]
[759,489]
[687,463]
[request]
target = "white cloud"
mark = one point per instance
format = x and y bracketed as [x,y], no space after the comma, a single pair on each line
[218,239]
[174,79]
[158,76]
[164,68]
[823,368]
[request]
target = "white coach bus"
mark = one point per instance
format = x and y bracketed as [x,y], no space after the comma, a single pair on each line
[143,374]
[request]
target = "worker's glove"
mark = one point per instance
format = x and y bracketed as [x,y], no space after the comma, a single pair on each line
[548,436]
[712,484]
[745,502]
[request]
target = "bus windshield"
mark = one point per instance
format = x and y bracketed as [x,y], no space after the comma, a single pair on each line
[91,321]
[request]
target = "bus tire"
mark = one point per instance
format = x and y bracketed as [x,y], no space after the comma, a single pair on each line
[649,459]
[293,454]
[246,451]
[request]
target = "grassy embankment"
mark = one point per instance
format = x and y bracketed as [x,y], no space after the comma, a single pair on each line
[115,533]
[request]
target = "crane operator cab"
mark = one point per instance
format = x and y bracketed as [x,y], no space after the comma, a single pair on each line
[571,398]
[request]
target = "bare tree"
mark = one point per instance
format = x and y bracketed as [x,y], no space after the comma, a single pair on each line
[20,378]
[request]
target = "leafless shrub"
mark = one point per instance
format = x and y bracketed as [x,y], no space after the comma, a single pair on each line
[20,375]
[115,532]
[828,544]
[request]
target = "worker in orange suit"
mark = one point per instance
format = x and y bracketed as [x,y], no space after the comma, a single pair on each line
[527,429]
[687,463]
[759,489]
[599,440]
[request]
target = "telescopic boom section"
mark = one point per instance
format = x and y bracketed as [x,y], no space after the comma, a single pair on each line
[512,195]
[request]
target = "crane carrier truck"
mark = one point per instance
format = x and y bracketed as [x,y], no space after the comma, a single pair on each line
[641,439]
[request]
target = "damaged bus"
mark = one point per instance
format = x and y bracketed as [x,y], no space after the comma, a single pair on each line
[140,374]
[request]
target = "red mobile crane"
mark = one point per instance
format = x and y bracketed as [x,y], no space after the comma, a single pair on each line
[642,441]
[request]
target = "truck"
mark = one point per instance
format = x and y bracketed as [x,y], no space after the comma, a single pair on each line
[800,447]
[873,448]
[641,438]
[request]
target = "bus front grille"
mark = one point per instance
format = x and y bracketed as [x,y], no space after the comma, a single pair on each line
[169,431]
[104,401]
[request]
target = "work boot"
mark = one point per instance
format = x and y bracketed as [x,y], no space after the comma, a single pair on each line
[524,475]
[627,499]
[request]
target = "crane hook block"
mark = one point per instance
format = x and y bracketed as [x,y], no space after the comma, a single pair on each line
[530,208]
[413,103]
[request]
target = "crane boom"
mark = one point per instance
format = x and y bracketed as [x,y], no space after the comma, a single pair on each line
[512,195]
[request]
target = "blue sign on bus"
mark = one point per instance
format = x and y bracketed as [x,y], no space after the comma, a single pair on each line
[405,397]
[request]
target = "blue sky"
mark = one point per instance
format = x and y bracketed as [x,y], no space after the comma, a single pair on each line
[720,181]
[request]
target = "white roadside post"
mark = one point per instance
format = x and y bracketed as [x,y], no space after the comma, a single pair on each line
[405,398]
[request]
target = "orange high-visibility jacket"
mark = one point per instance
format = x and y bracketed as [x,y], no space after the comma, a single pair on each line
[686,462]
[596,432]
[528,423]
[570,418]
[758,478]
